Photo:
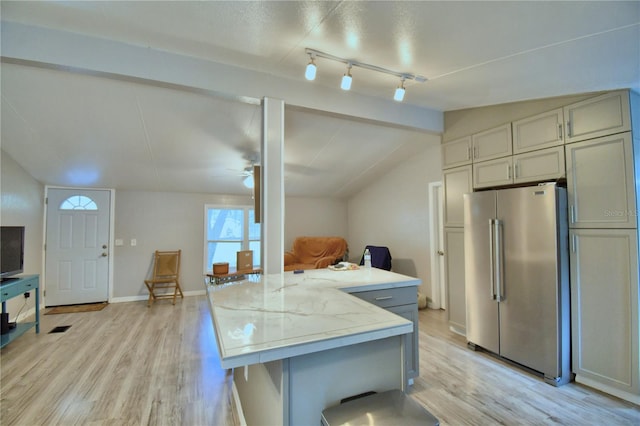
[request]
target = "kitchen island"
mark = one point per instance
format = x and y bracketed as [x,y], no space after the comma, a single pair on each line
[299,343]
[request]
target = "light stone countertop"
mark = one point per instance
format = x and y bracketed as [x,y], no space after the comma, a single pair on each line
[272,317]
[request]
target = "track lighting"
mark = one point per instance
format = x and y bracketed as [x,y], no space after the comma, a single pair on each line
[346,79]
[345,84]
[399,93]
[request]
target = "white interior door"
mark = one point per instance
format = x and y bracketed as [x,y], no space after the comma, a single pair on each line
[77,246]
[436,200]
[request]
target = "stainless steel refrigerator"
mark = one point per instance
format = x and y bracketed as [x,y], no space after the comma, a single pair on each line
[517,279]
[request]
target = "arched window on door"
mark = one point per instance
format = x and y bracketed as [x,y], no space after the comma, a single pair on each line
[78,202]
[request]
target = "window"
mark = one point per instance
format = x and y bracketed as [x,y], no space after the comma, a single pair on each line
[227,231]
[78,202]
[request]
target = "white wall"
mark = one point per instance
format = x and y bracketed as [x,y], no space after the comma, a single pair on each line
[21,204]
[168,221]
[161,221]
[394,212]
[314,217]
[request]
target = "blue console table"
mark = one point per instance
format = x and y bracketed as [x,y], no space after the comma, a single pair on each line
[15,287]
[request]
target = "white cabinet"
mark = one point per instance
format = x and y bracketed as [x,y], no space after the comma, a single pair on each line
[402,301]
[535,166]
[538,132]
[493,173]
[604,299]
[603,115]
[456,153]
[601,183]
[492,143]
[411,345]
[457,182]
[454,276]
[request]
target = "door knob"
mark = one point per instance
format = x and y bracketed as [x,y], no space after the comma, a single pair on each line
[104,254]
[440,252]
[104,246]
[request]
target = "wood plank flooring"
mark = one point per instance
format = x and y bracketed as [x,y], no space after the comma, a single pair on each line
[125,365]
[463,387]
[133,365]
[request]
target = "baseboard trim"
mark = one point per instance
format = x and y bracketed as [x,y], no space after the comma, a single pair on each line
[141,297]
[618,393]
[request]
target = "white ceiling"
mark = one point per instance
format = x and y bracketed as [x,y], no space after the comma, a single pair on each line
[91,126]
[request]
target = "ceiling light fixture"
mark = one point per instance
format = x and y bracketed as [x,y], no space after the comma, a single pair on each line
[399,93]
[248,181]
[310,72]
[347,79]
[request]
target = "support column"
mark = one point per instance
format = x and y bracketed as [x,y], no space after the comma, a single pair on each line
[272,188]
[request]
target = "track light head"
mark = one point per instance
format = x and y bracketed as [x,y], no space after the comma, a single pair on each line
[346,79]
[310,72]
[398,96]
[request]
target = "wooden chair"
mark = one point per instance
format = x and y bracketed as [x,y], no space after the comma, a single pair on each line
[166,275]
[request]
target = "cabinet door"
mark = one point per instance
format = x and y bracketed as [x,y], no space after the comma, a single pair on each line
[599,116]
[454,278]
[493,143]
[457,182]
[493,173]
[604,308]
[537,166]
[411,345]
[456,153]
[537,132]
[600,183]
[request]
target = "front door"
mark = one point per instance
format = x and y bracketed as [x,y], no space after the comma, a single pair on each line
[77,246]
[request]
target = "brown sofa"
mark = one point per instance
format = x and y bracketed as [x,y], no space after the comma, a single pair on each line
[315,252]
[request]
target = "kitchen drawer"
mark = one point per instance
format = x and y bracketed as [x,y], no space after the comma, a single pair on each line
[390,297]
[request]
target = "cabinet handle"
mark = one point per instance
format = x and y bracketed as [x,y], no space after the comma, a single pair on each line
[475,152]
[469,153]
[574,243]
[572,215]
[515,171]
[508,172]
[559,131]
[384,297]
[568,129]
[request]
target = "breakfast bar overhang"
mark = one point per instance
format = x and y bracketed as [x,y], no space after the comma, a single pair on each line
[299,343]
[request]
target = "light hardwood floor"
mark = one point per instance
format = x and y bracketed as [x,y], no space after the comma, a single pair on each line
[130,364]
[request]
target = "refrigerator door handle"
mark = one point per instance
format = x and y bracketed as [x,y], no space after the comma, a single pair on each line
[492,257]
[498,252]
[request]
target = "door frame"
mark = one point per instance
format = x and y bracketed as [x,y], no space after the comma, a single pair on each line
[436,235]
[43,278]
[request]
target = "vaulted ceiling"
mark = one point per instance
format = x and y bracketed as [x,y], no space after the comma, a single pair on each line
[166,95]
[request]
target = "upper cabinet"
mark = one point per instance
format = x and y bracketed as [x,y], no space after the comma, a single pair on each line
[493,173]
[600,116]
[536,166]
[537,132]
[601,183]
[456,153]
[492,143]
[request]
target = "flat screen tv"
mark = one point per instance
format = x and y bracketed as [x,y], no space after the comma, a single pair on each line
[11,251]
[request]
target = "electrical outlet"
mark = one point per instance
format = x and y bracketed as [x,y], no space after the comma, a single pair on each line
[27,295]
